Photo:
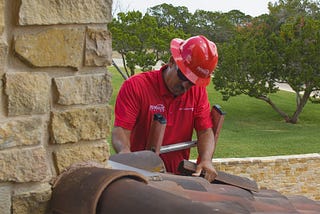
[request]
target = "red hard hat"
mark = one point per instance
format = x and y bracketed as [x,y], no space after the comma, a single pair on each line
[197,57]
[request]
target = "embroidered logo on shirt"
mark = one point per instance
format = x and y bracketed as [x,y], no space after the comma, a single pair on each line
[157,108]
[186,109]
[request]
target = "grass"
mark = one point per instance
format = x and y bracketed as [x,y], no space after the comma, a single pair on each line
[252,128]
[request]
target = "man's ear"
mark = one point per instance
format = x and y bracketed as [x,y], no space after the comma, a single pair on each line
[171,61]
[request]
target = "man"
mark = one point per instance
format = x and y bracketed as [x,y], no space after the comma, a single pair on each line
[176,91]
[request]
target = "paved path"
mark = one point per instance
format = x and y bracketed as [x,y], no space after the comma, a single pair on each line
[284,87]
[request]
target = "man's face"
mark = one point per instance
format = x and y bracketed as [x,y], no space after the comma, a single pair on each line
[178,82]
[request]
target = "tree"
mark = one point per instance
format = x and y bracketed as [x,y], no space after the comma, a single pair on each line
[140,40]
[208,23]
[169,15]
[218,27]
[300,39]
[238,18]
[133,36]
[282,47]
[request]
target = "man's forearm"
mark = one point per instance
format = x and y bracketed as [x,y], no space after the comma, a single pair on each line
[206,144]
[206,147]
[121,140]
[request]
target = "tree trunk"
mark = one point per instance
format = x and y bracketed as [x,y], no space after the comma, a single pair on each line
[125,65]
[301,102]
[282,113]
[119,70]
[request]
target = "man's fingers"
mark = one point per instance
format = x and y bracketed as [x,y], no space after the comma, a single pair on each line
[208,172]
[209,176]
[198,172]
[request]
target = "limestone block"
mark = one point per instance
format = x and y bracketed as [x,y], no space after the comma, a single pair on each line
[64,158]
[52,47]
[85,89]
[28,93]
[98,47]
[2,110]
[5,199]
[296,174]
[64,11]
[33,201]
[20,133]
[80,124]
[2,21]
[24,165]
[3,56]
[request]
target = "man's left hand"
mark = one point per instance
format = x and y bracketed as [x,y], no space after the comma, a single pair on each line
[206,168]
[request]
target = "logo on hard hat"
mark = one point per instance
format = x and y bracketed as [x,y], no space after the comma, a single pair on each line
[203,71]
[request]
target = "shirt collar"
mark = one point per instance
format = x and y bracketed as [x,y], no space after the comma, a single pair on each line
[162,85]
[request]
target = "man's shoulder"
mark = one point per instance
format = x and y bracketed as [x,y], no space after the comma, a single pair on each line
[148,77]
[198,93]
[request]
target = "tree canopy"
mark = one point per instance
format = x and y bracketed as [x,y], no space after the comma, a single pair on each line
[282,47]
[140,40]
[255,53]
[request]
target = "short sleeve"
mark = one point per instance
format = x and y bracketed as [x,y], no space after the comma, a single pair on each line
[202,112]
[127,106]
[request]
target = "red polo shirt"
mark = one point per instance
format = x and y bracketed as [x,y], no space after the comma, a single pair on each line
[145,94]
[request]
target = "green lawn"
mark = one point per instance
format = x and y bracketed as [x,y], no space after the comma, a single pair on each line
[253,129]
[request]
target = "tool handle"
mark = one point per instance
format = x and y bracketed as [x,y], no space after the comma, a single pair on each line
[156,134]
[177,146]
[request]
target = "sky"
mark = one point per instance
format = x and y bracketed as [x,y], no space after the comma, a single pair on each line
[249,7]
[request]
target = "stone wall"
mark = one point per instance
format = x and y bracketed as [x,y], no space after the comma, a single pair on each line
[54,107]
[290,175]
[55,91]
